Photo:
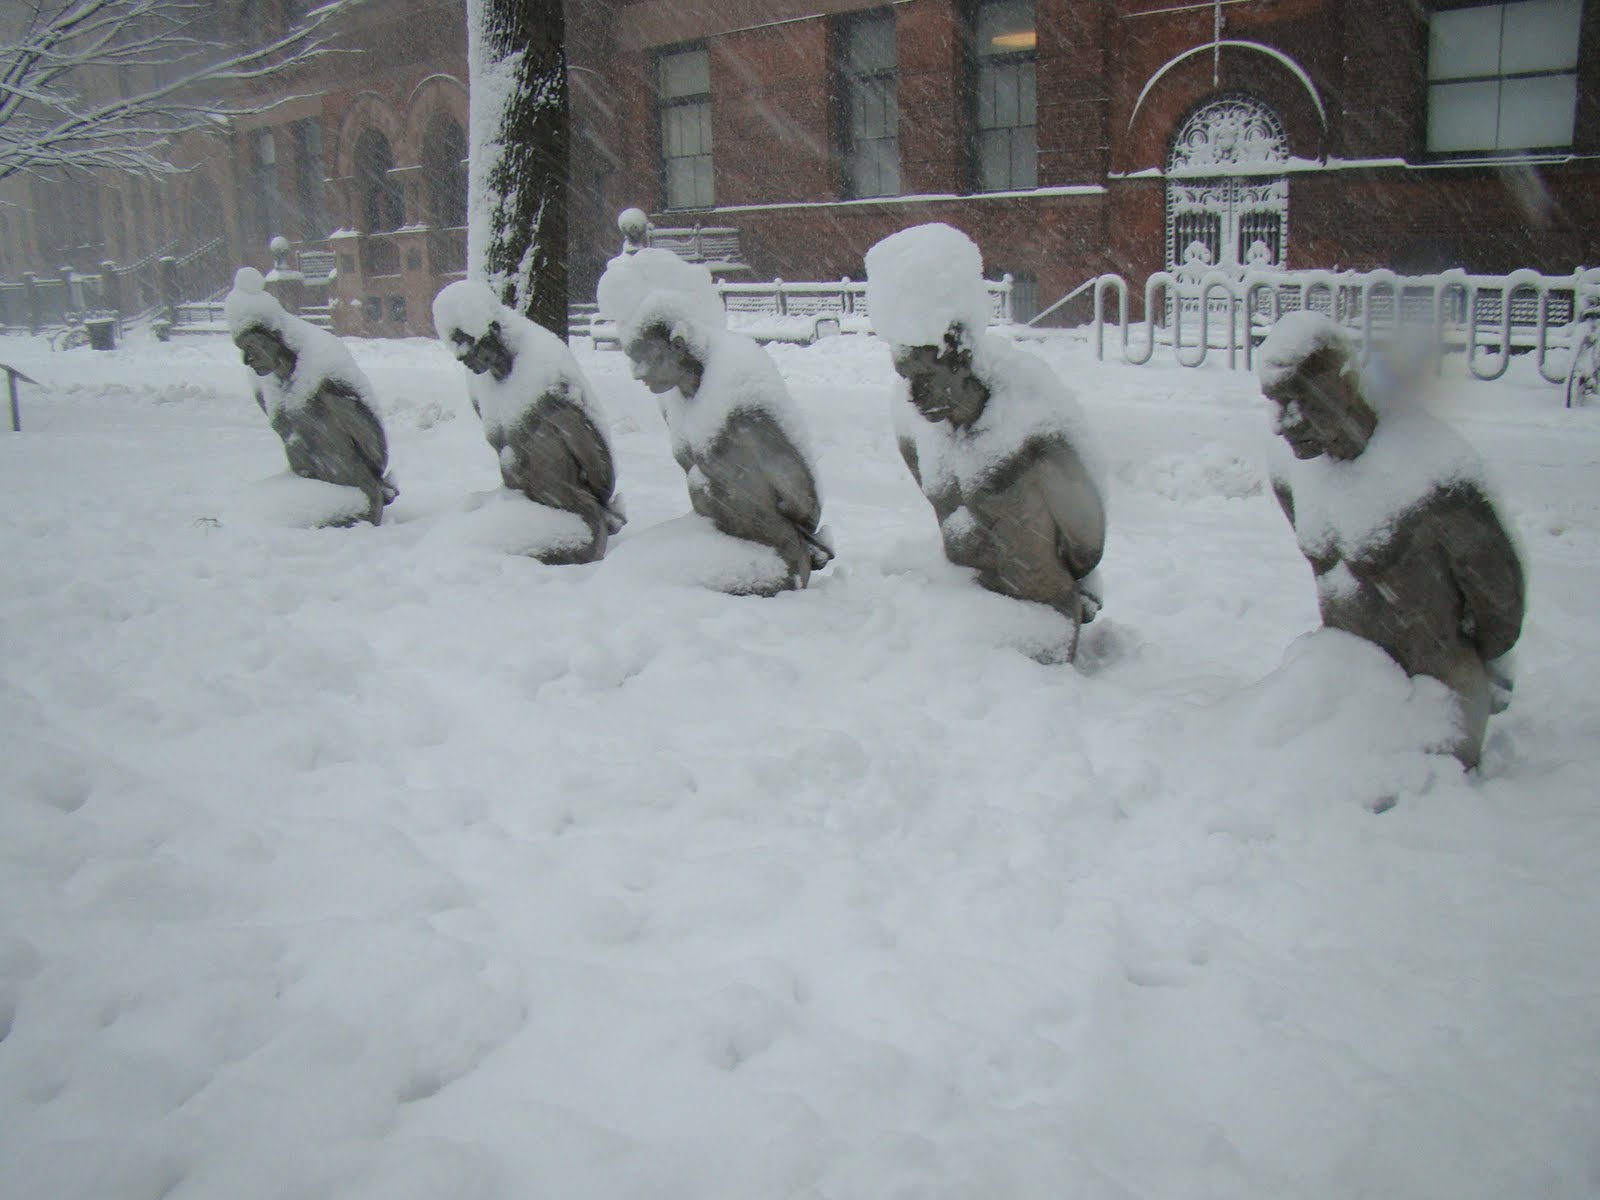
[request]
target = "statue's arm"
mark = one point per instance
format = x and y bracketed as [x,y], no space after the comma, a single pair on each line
[908,451]
[361,424]
[1285,498]
[763,441]
[1487,572]
[1075,505]
[588,448]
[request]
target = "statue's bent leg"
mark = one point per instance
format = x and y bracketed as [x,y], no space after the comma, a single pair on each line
[591,551]
[1473,694]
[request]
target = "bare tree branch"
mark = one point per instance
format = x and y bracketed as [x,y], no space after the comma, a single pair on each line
[112,83]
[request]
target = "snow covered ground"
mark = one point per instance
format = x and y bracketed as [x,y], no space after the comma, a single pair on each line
[377,863]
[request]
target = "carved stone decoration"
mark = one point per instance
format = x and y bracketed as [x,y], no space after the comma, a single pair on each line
[1231,131]
[1226,188]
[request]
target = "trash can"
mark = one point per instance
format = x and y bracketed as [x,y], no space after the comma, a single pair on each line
[102,332]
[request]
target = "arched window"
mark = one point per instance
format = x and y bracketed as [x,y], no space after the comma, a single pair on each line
[378,195]
[444,161]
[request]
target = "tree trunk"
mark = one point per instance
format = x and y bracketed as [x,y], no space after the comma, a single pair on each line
[517,166]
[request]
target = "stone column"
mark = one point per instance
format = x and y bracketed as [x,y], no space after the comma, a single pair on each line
[30,282]
[169,288]
[111,289]
[347,283]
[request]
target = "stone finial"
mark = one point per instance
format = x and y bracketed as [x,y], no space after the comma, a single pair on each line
[634,227]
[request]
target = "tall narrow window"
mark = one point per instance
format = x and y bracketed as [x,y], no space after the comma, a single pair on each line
[444,166]
[1503,76]
[684,88]
[378,195]
[1006,142]
[264,168]
[309,175]
[872,112]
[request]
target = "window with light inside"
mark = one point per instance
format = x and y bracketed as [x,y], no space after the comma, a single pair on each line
[1006,144]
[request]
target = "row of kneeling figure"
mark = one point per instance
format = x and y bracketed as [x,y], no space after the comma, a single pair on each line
[1389,507]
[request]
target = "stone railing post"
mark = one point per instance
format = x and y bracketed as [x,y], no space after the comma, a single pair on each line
[170,294]
[72,290]
[285,283]
[111,289]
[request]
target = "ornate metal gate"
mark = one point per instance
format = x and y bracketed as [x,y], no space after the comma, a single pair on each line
[1227,197]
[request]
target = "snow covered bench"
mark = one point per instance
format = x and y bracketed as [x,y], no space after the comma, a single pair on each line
[716,247]
[200,316]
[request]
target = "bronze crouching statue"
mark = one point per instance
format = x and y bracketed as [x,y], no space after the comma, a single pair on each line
[1391,510]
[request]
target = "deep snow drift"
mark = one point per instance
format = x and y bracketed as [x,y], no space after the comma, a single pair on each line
[377,863]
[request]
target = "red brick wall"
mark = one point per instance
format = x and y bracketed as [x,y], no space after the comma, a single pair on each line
[1059,239]
[1074,109]
[1366,59]
[933,144]
[1488,220]
[771,116]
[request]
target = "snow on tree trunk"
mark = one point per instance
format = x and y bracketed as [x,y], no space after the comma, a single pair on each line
[517,214]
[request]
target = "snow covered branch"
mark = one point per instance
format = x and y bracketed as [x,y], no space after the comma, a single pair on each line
[111,83]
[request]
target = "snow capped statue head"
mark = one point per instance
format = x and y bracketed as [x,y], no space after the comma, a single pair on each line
[249,305]
[654,287]
[1295,338]
[292,357]
[260,326]
[472,323]
[467,306]
[924,283]
[1307,368]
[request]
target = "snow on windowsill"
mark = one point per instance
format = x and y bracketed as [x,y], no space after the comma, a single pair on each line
[1312,165]
[1076,189]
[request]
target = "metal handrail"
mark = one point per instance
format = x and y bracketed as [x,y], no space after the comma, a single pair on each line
[1067,299]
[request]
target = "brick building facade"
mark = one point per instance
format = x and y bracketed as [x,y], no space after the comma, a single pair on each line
[1069,137]
[1309,133]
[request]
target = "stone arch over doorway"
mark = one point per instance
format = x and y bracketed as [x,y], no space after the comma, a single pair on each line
[1227,191]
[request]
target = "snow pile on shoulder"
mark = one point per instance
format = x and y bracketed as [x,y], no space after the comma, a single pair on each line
[542,365]
[319,355]
[1296,337]
[1027,402]
[656,286]
[922,280]
[1344,504]
[740,377]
